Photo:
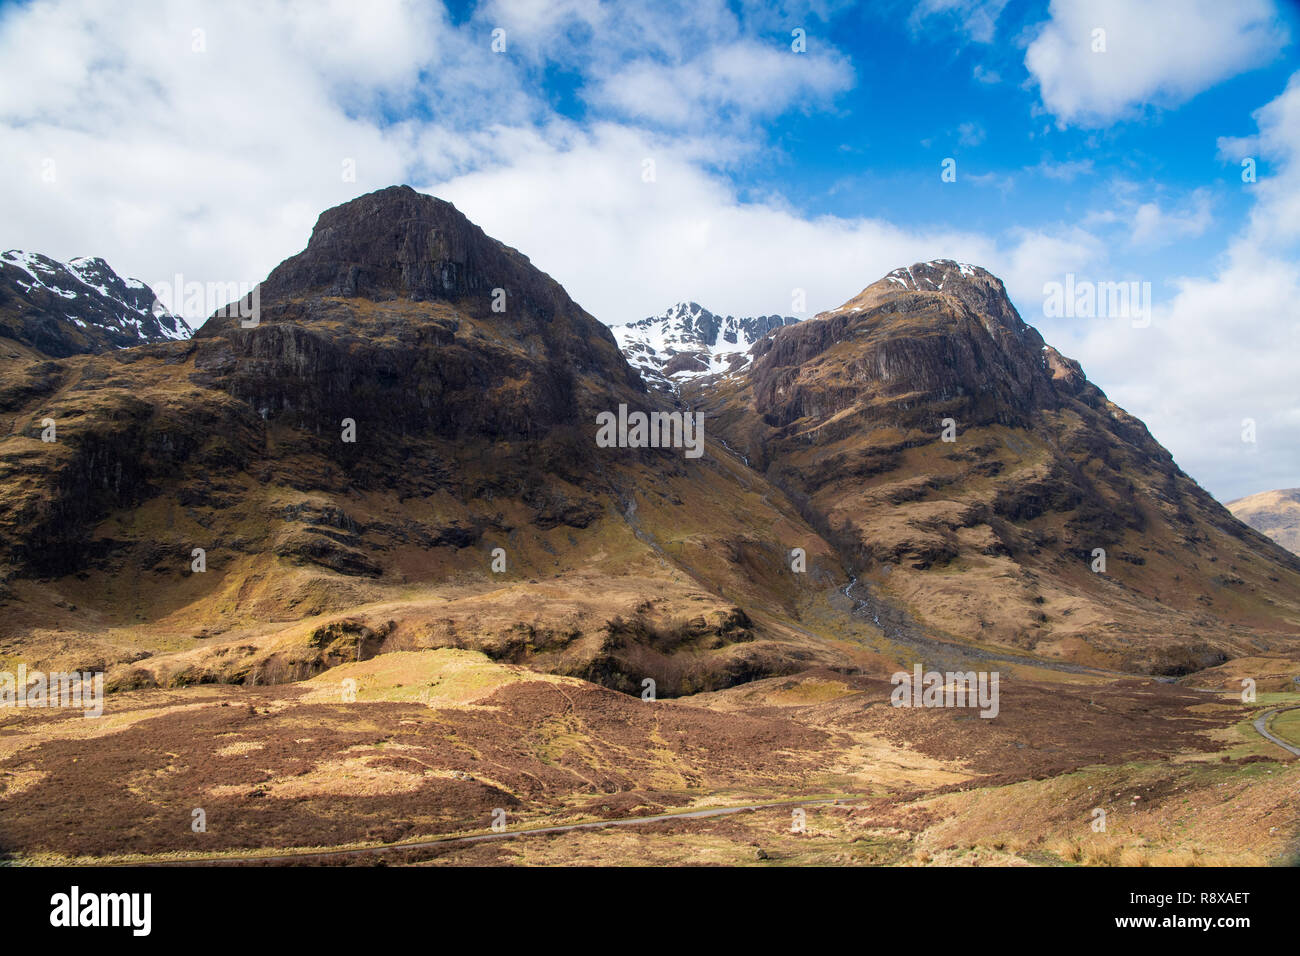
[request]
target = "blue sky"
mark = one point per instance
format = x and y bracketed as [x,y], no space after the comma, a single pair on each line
[204,139]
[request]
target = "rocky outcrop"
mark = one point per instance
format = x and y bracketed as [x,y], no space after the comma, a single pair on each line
[964,352]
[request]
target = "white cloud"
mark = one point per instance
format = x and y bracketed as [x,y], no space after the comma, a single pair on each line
[1065,172]
[210,158]
[1222,348]
[1275,218]
[1233,149]
[754,79]
[976,18]
[1158,52]
[677,64]
[215,162]
[1154,225]
[1038,256]
[625,248]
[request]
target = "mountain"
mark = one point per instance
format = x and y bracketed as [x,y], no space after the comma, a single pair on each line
[417,395]
[1274,513]
[688,341]
[993,536]
[402,453]
[59,309]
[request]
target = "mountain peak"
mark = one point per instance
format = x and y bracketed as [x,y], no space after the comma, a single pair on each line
[932,276]
[974,286]
[399,243]
[686,341]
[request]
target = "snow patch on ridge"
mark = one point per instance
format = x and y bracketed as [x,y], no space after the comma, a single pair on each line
[125,308]
[688,341]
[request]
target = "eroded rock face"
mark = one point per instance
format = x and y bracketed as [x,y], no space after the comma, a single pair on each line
[962,350]
[401,306]
[396,242]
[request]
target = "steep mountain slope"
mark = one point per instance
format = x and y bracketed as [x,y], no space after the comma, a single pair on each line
[1274,513]
[58,309]
[994,536]
[415,396]
[688,342]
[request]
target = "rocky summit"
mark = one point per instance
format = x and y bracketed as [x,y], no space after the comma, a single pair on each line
[408,543]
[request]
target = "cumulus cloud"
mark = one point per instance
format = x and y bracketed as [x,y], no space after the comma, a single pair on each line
[205,140]
[1222,348]
[679,64]
[1155,53]
[1155,225]
[751,78]
[625,248]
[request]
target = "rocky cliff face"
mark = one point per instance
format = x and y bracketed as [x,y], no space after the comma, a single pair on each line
[58,309]
[975,475]
[688,342]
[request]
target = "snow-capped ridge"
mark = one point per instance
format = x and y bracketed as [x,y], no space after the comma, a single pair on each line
[104,310]
[687,341]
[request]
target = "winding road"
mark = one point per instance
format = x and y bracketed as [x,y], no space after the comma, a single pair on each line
[1261,725]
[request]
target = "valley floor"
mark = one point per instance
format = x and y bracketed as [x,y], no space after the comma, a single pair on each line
[421,745]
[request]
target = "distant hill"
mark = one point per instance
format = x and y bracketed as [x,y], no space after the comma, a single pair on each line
[1275,513]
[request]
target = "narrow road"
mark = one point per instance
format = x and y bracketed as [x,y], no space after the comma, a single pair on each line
[1261,724]
[318,855]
